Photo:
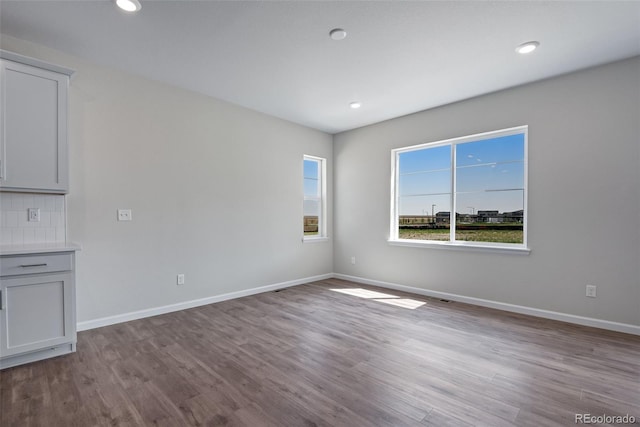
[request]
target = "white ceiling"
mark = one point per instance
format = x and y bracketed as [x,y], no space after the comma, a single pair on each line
[277,57]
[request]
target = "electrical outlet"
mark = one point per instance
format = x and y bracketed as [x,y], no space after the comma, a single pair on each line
[180,279]
[34,214]
[591,291]
[353,260]
[124,214]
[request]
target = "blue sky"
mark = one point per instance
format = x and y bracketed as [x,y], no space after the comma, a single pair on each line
[311,187]
[483,167]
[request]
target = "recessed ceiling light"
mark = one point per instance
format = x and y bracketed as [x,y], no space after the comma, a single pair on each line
[355,105]
[527,47]
[337,34]
[129,5]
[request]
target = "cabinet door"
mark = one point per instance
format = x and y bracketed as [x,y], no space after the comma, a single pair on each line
[33,128]
[36,312]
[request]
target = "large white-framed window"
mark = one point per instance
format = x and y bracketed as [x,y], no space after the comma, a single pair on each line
[315,198]
[467,192]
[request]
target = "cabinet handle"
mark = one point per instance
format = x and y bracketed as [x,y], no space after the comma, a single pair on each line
[34,265]
[1,301]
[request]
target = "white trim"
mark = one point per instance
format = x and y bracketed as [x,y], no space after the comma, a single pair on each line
[453,196]
[393,224]
[16,57]
[314,239]
[536,312]
[459,246]
[34,356]
[462,139]
[134,315]
[525,207]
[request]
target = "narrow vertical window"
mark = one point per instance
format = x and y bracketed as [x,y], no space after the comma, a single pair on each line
[314,205]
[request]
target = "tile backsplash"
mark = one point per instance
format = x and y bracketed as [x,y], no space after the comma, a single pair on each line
[16,229]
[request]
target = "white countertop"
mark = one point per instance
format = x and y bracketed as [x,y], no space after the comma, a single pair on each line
[39,248]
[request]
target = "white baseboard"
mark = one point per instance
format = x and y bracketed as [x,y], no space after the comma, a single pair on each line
[546,314]
[554,315]
[134,315]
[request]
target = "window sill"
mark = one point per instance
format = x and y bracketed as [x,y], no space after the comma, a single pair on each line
[516,250]
[314,239]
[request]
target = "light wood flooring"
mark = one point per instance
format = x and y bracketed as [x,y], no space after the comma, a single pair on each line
[313,356]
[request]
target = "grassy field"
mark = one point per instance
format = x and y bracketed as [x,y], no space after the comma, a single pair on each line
[497,236]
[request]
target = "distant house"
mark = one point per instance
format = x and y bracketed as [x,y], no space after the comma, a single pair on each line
[443,217]
[515,216]
[466,218]
[489,216]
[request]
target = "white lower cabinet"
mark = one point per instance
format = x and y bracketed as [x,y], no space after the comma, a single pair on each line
[37,307]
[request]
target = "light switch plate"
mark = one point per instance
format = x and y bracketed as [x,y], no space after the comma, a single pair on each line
[124,214]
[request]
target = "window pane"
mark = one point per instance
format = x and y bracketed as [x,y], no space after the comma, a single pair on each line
[492,150]
[424,217]
[311,178]
[424,190]
[423,183]
[494,216]
[427,159]
[311,169]
[311,187]
[311,217]
[497,176]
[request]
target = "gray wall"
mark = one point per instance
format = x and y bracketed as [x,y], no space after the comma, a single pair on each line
[584,197]
[216,192]
[215,189]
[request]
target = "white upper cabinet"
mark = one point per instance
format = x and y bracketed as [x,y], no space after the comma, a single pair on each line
[33,125]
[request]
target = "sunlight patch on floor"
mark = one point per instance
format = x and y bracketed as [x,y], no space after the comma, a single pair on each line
[409,303]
